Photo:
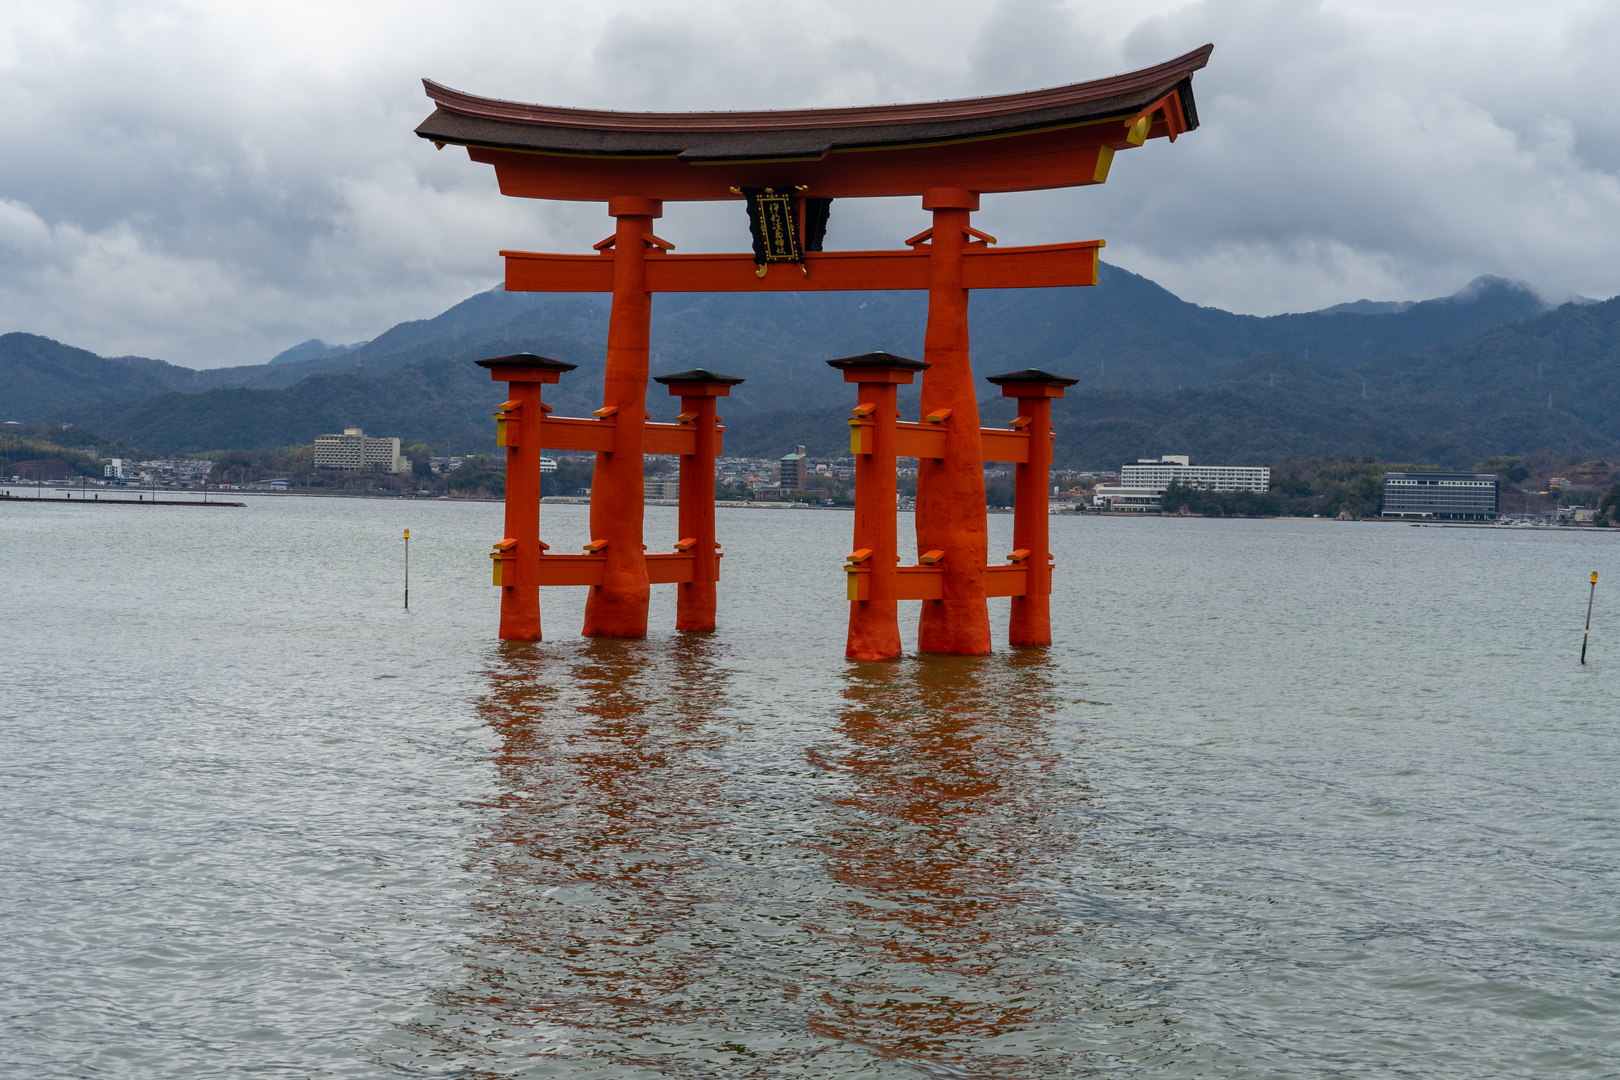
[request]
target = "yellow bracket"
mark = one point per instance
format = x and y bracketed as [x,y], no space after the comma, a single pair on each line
[929,558]
[1105,160]
[1021,423]
[859,555]
[605,412]
[686,544]
[939,417]
[596,546]
[1018,556]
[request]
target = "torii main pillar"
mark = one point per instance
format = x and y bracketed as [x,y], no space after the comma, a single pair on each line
[950,490]
[618,606]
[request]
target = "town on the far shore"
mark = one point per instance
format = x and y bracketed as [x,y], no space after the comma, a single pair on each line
[1498,490]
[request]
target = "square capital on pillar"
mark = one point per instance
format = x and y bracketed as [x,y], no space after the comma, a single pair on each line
[943,198]
[635,206]
[525,367]
[878,367]
[698,383]
[1031,383]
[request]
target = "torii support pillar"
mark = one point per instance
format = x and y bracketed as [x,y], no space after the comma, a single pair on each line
[517,427]
[1031,621]
[618,606]
[950,490]
[698,389]
[874,610]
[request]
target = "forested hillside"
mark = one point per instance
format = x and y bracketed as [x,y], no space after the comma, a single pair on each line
[1125,333]
[1452,404]
[1413,382]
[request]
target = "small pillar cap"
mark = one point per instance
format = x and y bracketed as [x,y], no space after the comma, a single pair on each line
[698,375]
[877,360]
[1030,375]
[526,360]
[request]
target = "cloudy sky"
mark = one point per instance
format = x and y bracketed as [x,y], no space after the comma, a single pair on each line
[211,182]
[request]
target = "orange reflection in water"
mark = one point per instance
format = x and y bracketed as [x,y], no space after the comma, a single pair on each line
[588,859]
[942,953]
[662,889]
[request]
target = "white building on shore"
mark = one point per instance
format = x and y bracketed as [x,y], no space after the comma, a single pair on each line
[355,451]
[1141,484]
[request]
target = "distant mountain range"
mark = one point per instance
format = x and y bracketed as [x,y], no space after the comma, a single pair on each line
[1448,380]
[313,349]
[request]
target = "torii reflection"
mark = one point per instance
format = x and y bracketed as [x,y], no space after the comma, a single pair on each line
[942,956]
[589,860]
[662,890]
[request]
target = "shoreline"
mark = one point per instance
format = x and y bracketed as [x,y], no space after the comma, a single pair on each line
[62,496]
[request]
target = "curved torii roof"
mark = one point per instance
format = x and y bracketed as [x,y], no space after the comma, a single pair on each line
[1056,137]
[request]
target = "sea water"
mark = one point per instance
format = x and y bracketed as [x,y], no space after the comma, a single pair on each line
[1285,799]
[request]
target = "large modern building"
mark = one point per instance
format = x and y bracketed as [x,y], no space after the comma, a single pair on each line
[661,487]
[790,470]
[1141,484]
[1455,495]
[355,451]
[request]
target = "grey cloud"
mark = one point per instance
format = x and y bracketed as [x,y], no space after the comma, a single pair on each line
[212,187]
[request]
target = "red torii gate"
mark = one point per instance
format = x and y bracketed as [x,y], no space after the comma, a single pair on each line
[947,152]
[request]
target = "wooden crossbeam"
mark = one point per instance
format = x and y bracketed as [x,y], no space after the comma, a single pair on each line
[1037,266]
[1003,445]
[663,568]
[576,433]
[928,441]
[928,582]
[1005,579]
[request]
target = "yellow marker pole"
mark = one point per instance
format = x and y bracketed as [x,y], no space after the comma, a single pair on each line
[408,571]
[1591,593]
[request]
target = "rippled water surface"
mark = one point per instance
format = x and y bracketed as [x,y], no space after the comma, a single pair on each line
[1287,799]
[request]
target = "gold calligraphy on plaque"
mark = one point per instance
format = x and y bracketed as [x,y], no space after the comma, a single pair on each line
[773,218]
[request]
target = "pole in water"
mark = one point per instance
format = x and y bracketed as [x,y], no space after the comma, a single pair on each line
[1590,593]
[408,575]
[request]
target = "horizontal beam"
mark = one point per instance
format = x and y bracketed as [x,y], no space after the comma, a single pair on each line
[575,433]
[1038,266]
[1029,161]
[676,439]
[571,569]
[663,568]
[672,567]
[928,441]
[1005,579]
[919,583]
[919,440]
[1001,444]
[928,582]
